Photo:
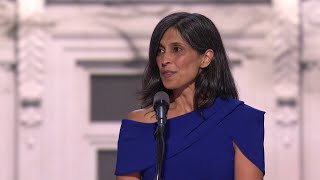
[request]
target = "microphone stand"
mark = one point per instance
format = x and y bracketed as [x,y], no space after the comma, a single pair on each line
[160,145]
[161,102]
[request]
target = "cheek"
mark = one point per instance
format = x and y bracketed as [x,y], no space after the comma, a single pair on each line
[191,65]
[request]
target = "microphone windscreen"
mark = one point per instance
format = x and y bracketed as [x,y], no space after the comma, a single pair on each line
[161,96]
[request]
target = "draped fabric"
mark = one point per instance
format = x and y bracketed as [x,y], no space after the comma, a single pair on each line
[198,145]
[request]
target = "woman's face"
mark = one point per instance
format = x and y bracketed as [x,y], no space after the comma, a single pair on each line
[178,63]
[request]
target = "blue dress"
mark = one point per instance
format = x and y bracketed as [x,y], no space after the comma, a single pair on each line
[198,146]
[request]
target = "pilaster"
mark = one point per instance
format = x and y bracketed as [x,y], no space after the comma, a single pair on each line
[33,33]
[311,88]
[7,91]
[287,87]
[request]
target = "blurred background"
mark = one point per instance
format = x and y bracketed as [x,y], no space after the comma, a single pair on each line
[69,70]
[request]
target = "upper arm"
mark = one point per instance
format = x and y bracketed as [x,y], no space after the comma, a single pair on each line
[132,176]
[244,168]
[245,126]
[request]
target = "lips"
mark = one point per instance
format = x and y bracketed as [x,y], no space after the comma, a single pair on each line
[167,74]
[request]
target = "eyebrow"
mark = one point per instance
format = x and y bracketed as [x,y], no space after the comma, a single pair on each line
[176,43]
[172,44]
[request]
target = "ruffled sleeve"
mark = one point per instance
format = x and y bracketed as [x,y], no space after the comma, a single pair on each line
[246,128]
[136,147]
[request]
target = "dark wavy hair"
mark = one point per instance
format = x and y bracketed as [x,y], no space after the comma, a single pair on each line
[201,33]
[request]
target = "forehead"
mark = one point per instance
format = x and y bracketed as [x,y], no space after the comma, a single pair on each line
[172,35]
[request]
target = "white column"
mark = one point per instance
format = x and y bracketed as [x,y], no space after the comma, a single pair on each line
[32,37]
[287,56]
[7,119]
[7,92]
[311,89]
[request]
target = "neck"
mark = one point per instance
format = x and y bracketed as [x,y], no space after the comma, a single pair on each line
[183,100]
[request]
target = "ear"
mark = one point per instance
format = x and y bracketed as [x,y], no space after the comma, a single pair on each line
[207,58]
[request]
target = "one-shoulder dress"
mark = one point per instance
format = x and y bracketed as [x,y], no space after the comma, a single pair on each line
[199,146]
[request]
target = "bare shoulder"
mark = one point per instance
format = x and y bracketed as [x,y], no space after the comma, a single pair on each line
[146,115]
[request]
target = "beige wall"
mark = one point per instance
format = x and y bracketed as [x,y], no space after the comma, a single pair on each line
[274,49]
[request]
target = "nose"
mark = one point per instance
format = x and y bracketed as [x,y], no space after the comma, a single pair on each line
[166,59]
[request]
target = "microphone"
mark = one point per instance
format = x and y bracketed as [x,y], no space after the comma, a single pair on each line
[161,106]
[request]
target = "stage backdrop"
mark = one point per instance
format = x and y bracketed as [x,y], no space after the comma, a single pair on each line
[69,70]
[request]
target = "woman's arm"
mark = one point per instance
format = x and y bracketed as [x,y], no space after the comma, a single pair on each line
[244,168]
[140,116]
[132,176]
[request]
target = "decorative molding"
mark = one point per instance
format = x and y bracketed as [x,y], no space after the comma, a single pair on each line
[102,140]
[287,119]
[32,35]
[236,58]
[286,54]
[102,136]
[7,15]
[30,74]
[156,1]
[287,70]
[135,11]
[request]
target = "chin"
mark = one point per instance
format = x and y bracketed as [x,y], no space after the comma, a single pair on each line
[170,86]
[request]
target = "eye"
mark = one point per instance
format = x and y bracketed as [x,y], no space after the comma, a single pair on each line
[160,51]
[177,49]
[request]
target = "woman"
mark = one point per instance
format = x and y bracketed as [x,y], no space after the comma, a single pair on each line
[209,133]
